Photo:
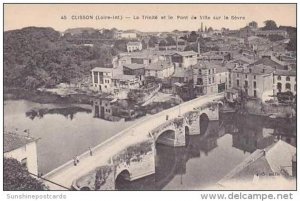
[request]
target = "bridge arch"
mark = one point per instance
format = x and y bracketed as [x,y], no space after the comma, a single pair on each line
[85,188]
[166,137]
[203,122]
[122,179]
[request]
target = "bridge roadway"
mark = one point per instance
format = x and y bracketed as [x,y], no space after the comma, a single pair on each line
[67,173]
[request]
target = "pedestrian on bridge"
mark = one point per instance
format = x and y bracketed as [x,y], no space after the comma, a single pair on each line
[91,152]
[75,161]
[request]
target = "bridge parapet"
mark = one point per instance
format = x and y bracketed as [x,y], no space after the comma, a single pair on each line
[130,142]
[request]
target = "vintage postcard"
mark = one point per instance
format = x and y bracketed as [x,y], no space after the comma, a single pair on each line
[102,97]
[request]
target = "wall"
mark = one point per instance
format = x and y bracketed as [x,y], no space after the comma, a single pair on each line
[28,151]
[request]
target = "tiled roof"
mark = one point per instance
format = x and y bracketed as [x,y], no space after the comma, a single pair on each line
[285,72]
[269,62]
[12,141]
[160,65]
[136,43]
[272,159]
[182,72]
[123,77]
[134,66]
[102,69]
[186,53]
[259,69]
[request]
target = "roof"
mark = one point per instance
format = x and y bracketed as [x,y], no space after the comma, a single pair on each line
[271,160]
[243,59]
[186,53]
[182,72]
[285,72]
[274,159]
[134,43]
[269,62]
[134,66]
[209,65]
[102,69]
[14,141]
[123,77]
[160,65]
[259,69]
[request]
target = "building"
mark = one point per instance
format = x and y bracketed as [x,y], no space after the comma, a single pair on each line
[102,79]
[161,69]
[125,35]
[138,70]
[121,81]
[22,148]
[267,33]
[255,81]
[134,46]
[285,80]
[209,78]
[184,59]
[182,75]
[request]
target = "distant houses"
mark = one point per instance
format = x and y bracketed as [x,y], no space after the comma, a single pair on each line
[134,46]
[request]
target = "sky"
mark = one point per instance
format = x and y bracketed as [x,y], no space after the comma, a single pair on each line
[64,16]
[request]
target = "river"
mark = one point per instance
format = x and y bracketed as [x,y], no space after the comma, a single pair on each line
[64,130]
[68,130]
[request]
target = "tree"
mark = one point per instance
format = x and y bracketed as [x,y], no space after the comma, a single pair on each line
[152,41]
[270,25]
[210,29]
[253,24]
[17,178]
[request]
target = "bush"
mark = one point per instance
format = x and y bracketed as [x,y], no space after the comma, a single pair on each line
[17,178]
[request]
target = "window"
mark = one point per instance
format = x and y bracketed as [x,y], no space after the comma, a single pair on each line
[213,79]
[238,75]
[254,77]
[209,81]
[95,77]
[238,83]
[209,71]
[246,84]
[254,85]
[288,86]
[246,76]
[288,78]
[254,92]
[278,77]
[200,72]
[279,86]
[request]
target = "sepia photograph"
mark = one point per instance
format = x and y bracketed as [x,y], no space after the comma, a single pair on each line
[149,97]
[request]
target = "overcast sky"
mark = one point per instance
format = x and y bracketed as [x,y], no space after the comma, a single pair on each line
[17,16]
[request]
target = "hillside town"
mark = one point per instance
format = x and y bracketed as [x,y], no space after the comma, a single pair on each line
[124,76]
[251,64]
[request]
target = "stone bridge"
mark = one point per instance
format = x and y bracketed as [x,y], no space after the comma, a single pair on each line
[130,154]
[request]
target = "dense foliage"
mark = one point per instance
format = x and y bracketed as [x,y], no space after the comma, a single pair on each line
[17,178]
[35,57]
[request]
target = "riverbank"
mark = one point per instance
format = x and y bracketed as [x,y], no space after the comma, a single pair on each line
[44,97]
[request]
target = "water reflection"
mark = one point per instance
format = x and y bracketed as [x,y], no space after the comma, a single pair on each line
[67,112]
[189,167]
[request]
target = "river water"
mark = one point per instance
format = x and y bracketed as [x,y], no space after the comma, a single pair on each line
[68,130]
